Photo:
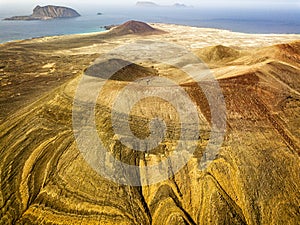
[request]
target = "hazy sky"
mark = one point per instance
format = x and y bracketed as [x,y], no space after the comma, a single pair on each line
[25,6]
[162,2]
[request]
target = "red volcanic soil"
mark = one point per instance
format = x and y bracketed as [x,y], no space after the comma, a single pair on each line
[135,27]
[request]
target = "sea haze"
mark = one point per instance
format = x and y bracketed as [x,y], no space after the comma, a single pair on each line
[254,20]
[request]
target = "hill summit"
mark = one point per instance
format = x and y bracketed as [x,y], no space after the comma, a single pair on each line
[135,27]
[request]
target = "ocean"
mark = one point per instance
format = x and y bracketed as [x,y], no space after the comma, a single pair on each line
[254,20]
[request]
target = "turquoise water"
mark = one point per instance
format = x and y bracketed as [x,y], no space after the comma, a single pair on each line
[240,20]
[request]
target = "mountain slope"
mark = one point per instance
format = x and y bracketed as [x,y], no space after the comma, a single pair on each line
[45,179]
[134,27]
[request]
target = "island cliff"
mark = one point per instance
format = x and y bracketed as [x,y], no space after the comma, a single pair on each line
[48,12]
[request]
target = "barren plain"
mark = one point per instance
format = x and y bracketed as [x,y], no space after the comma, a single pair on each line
[254,179]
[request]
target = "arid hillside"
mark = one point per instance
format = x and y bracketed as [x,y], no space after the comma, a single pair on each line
[254,179]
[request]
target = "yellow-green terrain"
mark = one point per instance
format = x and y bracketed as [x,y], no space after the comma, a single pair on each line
[255,178]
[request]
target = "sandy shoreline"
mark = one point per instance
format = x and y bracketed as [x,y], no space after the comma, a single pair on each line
[184,34]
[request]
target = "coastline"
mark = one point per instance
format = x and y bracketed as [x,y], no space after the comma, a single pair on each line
[53,36]
[239,20]
[177,29]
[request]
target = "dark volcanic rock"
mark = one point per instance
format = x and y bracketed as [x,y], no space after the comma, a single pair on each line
[48,12]
[109,27]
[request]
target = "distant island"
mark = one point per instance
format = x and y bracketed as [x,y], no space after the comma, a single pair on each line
[153,4]
[180,5]
[48,12]
[146,4]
